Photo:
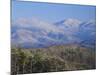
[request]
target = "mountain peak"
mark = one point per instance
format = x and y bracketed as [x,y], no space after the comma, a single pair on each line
[72,22]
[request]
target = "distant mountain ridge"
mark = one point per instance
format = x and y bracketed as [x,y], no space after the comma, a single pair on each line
[36,33]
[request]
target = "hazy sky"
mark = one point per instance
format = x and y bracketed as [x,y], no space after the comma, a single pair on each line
[52,12]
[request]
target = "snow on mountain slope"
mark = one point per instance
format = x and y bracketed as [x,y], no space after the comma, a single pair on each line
[36,33]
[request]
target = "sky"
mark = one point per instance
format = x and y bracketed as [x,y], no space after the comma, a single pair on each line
[52,12]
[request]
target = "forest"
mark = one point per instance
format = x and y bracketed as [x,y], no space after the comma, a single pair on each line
[52,59]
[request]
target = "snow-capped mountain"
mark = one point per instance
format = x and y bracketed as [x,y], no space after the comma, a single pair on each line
[36,33]
[85,32]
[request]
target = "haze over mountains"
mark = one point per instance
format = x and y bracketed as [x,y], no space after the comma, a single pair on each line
[35,33]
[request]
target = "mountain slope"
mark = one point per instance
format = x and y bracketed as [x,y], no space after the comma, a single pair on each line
[36,33]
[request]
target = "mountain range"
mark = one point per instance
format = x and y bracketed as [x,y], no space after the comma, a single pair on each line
[35,33]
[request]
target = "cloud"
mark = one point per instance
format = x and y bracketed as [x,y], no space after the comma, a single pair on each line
[36,23]
[22,22]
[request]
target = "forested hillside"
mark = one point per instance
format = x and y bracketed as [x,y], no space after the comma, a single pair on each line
[52,59]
